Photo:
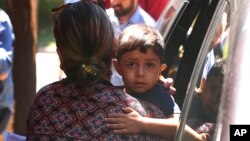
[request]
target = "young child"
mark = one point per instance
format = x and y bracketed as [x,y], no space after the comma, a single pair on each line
[140,61]
[204,109]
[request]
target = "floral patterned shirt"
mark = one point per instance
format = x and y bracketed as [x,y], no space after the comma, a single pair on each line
[62,112]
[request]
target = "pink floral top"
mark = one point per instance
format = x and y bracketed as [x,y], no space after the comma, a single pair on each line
[63,112]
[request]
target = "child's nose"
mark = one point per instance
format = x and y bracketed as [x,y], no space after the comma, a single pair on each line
[140,71]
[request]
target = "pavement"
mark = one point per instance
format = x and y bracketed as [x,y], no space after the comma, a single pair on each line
[47,67]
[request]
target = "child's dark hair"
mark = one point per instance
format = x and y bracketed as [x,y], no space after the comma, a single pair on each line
[217,71]
[142,37]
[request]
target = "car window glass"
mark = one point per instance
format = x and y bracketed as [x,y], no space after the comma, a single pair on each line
[203,96]
[172,8]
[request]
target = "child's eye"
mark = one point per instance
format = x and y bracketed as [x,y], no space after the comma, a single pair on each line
[150,65]
[131,64]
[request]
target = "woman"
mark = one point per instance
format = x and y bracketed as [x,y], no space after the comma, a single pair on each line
[75,108]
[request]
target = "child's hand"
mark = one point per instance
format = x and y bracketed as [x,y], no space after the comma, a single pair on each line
[125,123]
[198,91]
[204,137]
[168,83]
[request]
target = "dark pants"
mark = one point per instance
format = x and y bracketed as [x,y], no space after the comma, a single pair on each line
[5,114]
[1,86]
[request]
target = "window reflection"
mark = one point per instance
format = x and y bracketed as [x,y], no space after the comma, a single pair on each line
[203,112]
[168,15]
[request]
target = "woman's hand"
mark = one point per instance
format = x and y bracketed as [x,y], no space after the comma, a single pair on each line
[125,123]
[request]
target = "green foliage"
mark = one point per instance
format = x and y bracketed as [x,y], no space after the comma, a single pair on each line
[44,10]
[3,5]
[45,35]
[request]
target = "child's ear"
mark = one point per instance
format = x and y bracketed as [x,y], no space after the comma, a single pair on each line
[116,66]
[163,67]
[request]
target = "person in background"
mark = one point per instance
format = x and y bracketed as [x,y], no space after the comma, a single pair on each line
[154,7]
[75,107]
[122,14]
[140,61]
[215,49]
[107,4]
[126,12]
[204,108]
[70,1]
[6,63]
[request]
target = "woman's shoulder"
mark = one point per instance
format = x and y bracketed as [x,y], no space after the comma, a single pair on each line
[61,84]
[60,89]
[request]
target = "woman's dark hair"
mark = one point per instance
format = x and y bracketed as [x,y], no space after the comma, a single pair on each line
[84,38]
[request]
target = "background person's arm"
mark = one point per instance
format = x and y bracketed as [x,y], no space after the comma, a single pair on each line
[6,40]
[3,76]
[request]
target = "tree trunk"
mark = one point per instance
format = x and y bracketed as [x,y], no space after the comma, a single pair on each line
[23,14]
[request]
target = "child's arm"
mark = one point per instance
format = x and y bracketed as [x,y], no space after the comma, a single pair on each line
[134,123]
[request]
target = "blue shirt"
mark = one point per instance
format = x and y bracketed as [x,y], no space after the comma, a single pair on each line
[140,16]
[209,63]
[160,98]
[70,1]
[6,61]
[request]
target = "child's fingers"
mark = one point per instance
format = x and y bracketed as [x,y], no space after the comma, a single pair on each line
[121,131]
[128,110]
[114,120]
[117,115]
[171,90]
[116,126]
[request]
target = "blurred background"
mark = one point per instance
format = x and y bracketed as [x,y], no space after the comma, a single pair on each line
[45,36]
[35,60]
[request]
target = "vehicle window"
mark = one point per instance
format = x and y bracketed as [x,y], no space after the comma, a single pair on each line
[181,46]
[171,10]
[165,24]
[235,100]
[200,110]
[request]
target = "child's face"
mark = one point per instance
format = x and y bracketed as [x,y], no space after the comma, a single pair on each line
[139,71]
[211,98]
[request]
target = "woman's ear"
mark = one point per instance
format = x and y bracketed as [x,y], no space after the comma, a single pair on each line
[60,57]
[116,66]
[163,67]
[59,53]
